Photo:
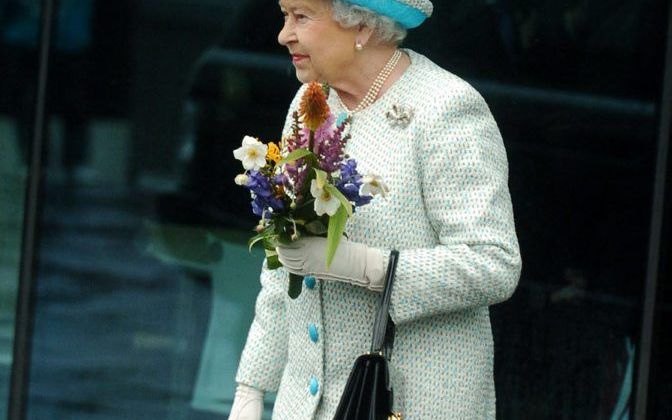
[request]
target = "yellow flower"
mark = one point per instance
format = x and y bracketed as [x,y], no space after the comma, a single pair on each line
[273,153]
[313,108]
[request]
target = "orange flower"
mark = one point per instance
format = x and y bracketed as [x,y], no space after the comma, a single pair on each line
[314,109]
[273,153]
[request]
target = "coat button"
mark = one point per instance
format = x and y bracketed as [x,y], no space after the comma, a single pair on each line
[310,281]
[312,330]
[314,386]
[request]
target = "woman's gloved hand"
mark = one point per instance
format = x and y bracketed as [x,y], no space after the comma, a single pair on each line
[248,404]
[353,263]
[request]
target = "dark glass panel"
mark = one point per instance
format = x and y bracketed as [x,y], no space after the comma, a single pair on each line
[146,289]
[19,27]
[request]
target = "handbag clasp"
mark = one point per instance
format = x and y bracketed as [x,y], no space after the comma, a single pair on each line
[395,416]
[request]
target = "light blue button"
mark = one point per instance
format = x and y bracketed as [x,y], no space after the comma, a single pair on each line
[312,330]
[310,281]
[314,386]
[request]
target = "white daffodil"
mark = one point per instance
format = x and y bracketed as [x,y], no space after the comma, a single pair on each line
[373,185]
[252,153]
[325,202]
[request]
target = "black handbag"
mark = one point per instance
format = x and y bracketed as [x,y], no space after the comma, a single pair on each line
[368,395]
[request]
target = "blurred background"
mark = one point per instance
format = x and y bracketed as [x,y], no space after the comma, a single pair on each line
[145,289]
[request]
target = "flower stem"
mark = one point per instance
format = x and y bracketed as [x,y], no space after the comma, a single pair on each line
[295,285]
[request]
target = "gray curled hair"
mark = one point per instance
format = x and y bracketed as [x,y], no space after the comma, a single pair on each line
[384,28]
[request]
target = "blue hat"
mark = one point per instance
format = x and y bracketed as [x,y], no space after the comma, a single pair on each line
[408,13]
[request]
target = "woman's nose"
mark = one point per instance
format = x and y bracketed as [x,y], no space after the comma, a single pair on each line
[286,34]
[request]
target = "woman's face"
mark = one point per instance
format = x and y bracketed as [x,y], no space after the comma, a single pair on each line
[321,49]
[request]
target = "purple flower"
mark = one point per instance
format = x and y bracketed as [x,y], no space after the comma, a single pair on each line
[280,179]
[261,204]
[329,145]
[324,132]
[259,185]
[258,206]
[349,170]
[262,193]
[298,139]
[296,178]
[349,183]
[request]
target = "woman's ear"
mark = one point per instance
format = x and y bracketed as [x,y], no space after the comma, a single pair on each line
[364,34]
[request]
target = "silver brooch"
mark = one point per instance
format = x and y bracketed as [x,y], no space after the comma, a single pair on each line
[399,116]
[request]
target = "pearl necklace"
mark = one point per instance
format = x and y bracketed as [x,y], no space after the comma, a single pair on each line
[374,90]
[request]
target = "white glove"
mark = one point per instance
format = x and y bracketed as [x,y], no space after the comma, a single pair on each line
[248,404]
[353,263]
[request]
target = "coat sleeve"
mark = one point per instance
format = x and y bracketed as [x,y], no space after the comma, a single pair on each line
[265,353]
[464,177]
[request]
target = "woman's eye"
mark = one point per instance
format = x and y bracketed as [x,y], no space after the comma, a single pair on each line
[300,17]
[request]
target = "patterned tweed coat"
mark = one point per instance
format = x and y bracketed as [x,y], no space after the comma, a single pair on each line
[449,213]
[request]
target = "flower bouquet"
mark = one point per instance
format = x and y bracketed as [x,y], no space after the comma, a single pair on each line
[306,185]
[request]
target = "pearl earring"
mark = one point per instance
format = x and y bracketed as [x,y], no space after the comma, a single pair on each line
[359,46]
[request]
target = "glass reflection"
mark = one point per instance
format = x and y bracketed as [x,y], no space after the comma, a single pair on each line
[19,22]
[146,288]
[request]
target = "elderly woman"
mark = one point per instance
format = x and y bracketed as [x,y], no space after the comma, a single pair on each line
[432,138]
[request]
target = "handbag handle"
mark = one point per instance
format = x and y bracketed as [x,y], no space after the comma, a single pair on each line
[383,328]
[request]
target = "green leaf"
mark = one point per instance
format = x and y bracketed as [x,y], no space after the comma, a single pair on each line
[295,155]
[273,262]
[269,243]
[321,177]
[335,231]
[316,227]
[255,239]
[336,193]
